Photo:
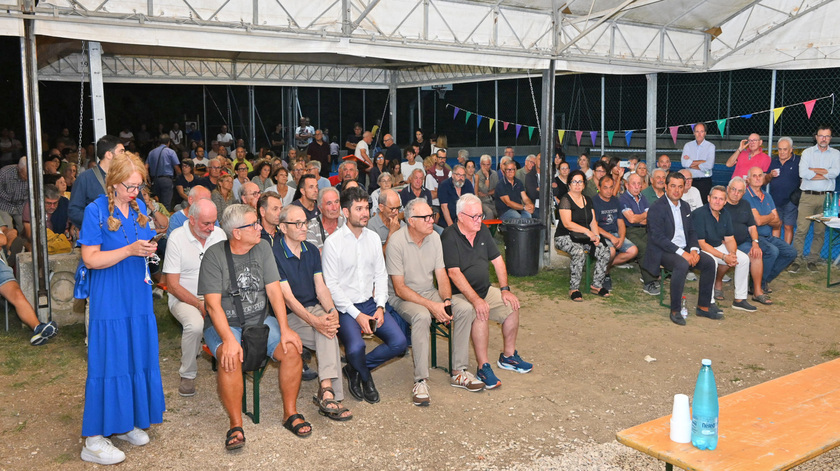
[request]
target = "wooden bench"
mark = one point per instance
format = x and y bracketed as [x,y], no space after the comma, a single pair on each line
[772,426]
[492,224]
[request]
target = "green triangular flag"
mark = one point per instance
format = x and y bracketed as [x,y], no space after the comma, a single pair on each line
[721,125]
[469,113]
[610,135]
[530,132]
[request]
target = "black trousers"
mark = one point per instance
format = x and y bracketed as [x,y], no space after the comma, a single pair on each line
[679,269]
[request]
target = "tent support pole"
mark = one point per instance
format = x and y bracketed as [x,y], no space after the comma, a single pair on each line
[650,132]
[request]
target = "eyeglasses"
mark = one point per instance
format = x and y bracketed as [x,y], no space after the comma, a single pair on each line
[392,208]
[137,188]
[577,182]
[460,174]
[753,140]
[217,167]
[253,193]
[298,224]
[510,170]
[254,225]
[427,217]
[822,136]
[238,170]
[474,217]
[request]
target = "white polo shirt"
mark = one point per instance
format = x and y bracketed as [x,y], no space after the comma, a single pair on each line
[183,256]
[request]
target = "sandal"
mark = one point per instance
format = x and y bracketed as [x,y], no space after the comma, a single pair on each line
[334,413]
[295,429]
[602,292]
[719,294]
[576,296]
[763,299]
[232,442]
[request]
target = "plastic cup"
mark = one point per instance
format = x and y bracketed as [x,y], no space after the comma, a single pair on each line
[681,420]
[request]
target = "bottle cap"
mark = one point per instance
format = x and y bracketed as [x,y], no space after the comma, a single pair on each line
[706,362]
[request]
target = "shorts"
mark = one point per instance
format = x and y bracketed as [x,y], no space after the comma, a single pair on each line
[213,341]
[6,274]
[627,245]
[788,213]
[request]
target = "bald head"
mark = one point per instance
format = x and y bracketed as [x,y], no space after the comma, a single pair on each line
[202,219]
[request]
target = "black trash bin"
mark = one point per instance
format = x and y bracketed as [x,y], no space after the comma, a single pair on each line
[522,246]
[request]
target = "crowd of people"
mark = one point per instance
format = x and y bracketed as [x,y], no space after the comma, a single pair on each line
[392,244]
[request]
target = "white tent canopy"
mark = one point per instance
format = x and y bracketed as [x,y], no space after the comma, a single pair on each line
[323,42]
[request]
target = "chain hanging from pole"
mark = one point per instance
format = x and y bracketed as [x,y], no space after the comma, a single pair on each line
[534,102]
[82,108]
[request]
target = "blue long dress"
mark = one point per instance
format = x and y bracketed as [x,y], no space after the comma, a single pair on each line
[123,388]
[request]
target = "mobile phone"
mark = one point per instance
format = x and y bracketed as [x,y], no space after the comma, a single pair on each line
[372,324]
[158,237]
[624,164]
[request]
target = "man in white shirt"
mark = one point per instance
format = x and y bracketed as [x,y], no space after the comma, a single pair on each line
[691,195]
[410,163]
[303,135]
[362,152]
[818,167]
[354,270]
[698,157]
[185,250]
[224,138]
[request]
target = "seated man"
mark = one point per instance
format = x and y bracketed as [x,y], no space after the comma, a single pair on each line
[308,196]
[414,260]
[467,249]
[354,270]
[634,209]
[611,227]
[259,284]
[599,170]
[449,191]
[691,195]
[328,221]
[657,186]
[181,265]
[313,167]
[716,237]
[387,220]
[777,254]
[249,194]
[511,200]
[672,243]
[746,233]
[178,218]
[315,318]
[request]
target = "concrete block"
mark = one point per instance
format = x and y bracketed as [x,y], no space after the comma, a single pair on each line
[62,273]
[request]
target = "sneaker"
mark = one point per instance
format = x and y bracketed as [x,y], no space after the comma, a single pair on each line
[607,285]
[743,305]
[811,266]
[187,387]
[44,332]
[652,289]
[100,450]
[157,293]
[420,394]
[486,375]
[308,373]
[691,276]
[465,379]
[514,363]
[793,267]
[726,278]
[137,437]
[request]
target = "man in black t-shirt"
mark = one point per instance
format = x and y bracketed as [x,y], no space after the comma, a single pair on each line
[746,232]
[467,249]
[611,227]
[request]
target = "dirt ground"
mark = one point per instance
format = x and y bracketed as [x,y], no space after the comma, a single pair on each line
[590,381]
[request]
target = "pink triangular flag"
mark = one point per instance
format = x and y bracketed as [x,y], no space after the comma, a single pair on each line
[674,130]
[809,107]
[505,123]
[518,128]
[578,134]
[593,135]
[455,115]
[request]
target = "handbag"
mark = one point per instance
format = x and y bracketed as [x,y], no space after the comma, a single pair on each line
[81,287]
[255,337]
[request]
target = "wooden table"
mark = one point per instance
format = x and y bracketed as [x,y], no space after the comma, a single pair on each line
[774,425]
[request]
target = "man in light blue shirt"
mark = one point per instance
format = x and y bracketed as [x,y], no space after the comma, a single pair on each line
[699,158]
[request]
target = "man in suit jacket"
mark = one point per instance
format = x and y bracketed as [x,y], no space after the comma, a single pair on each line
[672,243]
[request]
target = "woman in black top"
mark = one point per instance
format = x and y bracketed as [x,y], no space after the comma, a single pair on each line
[560,183]
[424,146]
[184,182]
[577,234]
[377,170]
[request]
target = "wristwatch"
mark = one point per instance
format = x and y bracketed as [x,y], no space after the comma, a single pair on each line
[755,241]
[504,288]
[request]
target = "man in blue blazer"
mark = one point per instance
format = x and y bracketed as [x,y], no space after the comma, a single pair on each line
[672,243]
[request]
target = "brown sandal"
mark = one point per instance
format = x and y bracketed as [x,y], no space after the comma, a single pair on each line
[333,413]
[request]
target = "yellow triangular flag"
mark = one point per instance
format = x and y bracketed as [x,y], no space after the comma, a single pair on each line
[491,124]
[560,134]
[776,113]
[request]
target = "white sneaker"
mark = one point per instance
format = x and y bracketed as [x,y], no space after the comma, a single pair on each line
[465,379]
[137,437]
[691,276]
[726,278]
[420,394]
[99,449]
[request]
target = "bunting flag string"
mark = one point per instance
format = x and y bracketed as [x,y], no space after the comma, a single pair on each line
[628,133]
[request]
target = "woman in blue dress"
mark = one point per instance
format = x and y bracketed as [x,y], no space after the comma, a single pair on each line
[123,391]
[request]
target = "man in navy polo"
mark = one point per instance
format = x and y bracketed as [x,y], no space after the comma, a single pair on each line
[315,318]
[783,182]
[777,254]
[448,193]
[511,200]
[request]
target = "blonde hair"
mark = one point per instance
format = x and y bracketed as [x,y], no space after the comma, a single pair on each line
[121,169]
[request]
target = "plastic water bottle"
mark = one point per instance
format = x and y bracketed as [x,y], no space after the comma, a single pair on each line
[827,205]
[704,411]
[834,203]
[683,310]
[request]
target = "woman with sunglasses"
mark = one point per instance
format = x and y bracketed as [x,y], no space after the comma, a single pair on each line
[577,234]
[123,390]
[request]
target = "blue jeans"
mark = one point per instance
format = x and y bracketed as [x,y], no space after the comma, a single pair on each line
[350,335]
[514,214]
[778,254]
